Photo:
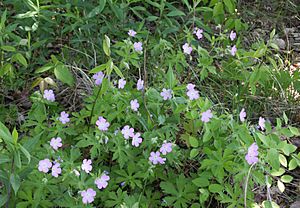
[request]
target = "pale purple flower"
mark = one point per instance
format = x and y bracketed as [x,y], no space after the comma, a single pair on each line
[261,123]
[166,148]
[137,140]
[190,86]
[134,105]
[166,94]
[131,33]
[252,155]
[86,165]
[198,33]
[102,124]
[206,116]
[233,50]
[98,77]
[44,165]
[243,115]
[187,49]
[121,83]
[155,158]
[127,132]
[55,143]
[56,170]
[140,84]
[193,94]
[232,35]
[102,182]
[64,117]
[138,46]
[88,195]
[49,95]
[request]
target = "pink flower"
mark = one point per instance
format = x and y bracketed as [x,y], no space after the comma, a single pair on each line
[55,143]
[187,49]
[56,170]
[252,155]
[233,50]
[64,117]
[98,77]
[86,165]
[88,196]
[138,46]
[49,95]
[102,181]
[155,158]
[232,35]
[102,124]
[44,165]
[242,115]
[193,94]
[131,33]
[127,132]
[134,105]
[261,123]
[121,83]
[166,148]
[140,84]
[190,86]
[137,140]
[206,116]
[198,33]
[166,94]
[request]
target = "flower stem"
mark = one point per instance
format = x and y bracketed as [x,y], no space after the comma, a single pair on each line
[92,111]
[246,186]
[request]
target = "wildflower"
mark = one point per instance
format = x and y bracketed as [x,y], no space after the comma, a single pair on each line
[166,148]
[134,105]
[251,156]
[155,158]
[44,165]
[243,115]
[190,86]
[98,77]
[261,123]
[233,50]
[137,140]
[102,124]
[166,94]
[88,195]
[127,132]
[187,49]
[140,84]
[198,33]
[102,181]
[64,117]
[121,83]
[131,33]
[193,94]
[206,116]
[49,95]
[55,143]
[232,35]
[138,46]
[86,165]
[56,170]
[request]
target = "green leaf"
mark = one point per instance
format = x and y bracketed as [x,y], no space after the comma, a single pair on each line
[104,86]
[287,148]
[175,13]
[282,160]
[194,153]
[8,48]
[201,182]
[218,9]
[97,10]
[3,199]
[293,164]
[286,178]
[168,188]
[15,135]
[21,59]
[106,45]
[171,78]
[230,6]
[63,74]
[193,141]
[273,158]
[215,188]
[98,68]
[280,186]
[294,130]
[5,69]
[118,72]
[15,182]
[44,68]
[26,153]
[278,172]
[5,134]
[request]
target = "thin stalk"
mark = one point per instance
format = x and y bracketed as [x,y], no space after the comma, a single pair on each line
[93,108]
[246,186]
